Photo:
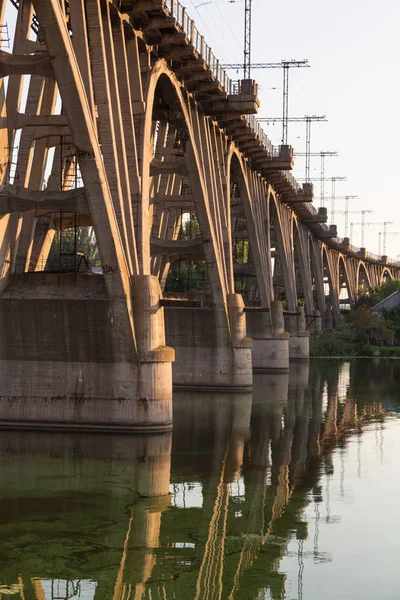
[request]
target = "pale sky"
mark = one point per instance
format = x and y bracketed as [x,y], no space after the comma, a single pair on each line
[353,49]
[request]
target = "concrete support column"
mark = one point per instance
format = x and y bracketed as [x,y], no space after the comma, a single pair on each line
[155,358]
[328,320]
[241,344]
[68,358]
[270,341]
[316,325]
[299,343]
[209,356]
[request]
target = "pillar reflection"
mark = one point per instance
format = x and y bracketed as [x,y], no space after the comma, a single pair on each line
[92,508]
[207,513]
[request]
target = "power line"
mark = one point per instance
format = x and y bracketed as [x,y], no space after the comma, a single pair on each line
[285,65]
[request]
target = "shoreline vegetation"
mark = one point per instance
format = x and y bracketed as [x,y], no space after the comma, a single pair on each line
[366,334]
[337,344]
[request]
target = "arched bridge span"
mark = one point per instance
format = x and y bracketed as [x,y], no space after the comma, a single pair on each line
[132,127]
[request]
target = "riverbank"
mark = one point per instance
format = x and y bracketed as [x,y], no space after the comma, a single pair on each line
[338,344]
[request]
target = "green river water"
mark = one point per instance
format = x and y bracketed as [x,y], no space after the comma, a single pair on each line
[289,492]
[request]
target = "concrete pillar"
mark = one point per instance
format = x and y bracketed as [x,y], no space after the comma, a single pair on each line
[328,320]
[68,359]
[155,358]
[241,344]
[208,355]
[143,531]
[270,341]
[299,342]
[317,322]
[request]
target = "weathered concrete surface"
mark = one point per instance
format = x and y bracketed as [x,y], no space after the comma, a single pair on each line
[205,357]
[299,342]
[270,341]
[299,346]
[67,358]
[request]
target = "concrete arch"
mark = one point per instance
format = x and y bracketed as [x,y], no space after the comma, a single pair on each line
[332,275]
[301,252]
[317,279]
[385,271]
[192,165]
[350,290]
[284,237]
[362,266]
[146,152]
[234,164]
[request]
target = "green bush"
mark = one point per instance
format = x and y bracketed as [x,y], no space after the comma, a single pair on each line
[330,344]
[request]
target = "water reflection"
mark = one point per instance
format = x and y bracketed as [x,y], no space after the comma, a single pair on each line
[235,504]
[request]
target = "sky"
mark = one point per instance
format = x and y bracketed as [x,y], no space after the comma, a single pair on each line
[353,49]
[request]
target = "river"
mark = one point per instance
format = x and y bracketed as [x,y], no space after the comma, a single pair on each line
[290,492]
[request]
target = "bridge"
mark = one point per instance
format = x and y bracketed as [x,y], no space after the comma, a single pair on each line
[131,126]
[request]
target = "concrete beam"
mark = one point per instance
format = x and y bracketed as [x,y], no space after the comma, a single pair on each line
[174,199]
[159,247]
[159,167]
[31,64]
[15,198]
[23,120]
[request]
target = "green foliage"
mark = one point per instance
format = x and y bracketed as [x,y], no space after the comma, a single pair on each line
[337,344]
[392,316]
[186,277]
[370,328]
[375,295]
[241,252]
[326,344]
[85,242]
[190,229]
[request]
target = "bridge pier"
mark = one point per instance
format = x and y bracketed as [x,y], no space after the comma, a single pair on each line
[299,341]
[68,360]
[270,341]
[209,356]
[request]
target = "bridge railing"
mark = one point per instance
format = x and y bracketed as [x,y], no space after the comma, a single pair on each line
[291,179]
[178,11]
[232,87]
[261,135]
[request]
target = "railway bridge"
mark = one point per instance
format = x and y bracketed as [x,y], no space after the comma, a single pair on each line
[213,262]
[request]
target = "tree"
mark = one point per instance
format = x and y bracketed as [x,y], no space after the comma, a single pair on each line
[378,293]
[370,328]
[185,274]
[85,242]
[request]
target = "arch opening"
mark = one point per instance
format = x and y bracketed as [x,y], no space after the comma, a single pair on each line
[276,250]
[345,299]
[317,304]
[181,271]
[363,281]
[244,273]
[386,276]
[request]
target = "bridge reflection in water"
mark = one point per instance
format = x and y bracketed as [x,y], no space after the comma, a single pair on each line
[229,506]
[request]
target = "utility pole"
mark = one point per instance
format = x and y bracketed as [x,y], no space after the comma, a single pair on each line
[385,233]
[346,211]
[285,65]
[323,154]
[247,40]
[308,120]
[364,224]
[333,205]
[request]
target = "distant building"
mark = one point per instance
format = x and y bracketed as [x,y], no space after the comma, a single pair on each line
[388,303]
